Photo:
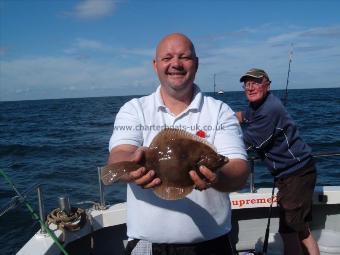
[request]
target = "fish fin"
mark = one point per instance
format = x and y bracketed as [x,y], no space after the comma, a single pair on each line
[172,193]
[113,172]
[170,133]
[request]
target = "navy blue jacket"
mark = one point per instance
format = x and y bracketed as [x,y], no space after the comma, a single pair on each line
[271,132]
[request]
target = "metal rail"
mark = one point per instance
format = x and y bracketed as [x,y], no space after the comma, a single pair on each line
[19,199]
[35,216]
[253,159]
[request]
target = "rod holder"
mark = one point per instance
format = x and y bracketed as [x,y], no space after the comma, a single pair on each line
[64,204]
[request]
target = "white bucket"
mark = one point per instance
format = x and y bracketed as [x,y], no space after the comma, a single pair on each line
[328,241]
[275,244]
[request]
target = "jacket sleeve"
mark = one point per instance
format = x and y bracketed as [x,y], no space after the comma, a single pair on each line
[260,131]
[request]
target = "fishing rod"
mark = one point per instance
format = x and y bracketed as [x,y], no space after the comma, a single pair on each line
[314,155]
[266,235]
[285,99]
[22,198]
[325,154]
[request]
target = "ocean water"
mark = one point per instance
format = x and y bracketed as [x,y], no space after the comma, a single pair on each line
[60,143]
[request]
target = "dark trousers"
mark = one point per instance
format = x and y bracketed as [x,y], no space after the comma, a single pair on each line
[295,198]
[217,246]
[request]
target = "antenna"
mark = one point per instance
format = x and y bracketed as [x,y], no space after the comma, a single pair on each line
[214,83]
[285,99]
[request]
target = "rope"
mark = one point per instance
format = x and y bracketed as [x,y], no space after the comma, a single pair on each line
[72,222]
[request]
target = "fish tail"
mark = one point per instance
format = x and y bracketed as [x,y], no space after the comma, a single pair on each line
[113,172]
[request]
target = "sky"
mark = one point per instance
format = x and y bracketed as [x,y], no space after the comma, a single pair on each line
[69,48]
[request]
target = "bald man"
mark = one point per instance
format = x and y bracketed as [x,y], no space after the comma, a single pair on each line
[200,222]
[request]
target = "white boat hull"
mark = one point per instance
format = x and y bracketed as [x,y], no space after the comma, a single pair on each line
[105,232]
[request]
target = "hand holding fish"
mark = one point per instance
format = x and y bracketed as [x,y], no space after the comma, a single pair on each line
[133,171]
[142,177]
[206,180]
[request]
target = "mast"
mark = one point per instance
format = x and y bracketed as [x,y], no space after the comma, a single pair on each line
[214,83]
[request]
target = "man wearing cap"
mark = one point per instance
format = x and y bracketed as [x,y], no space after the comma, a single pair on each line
[271,132]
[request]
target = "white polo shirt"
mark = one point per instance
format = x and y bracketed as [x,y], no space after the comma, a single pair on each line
[201,215]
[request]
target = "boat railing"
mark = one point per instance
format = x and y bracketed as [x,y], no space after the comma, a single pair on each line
[254,159]
[251,161]
[21,197]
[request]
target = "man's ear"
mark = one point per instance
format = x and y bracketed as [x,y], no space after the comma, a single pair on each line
[154,65]
[197,63]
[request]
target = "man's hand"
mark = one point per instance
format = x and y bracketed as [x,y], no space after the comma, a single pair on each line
[202,183]
[230,177]
[141,176]
[239,116]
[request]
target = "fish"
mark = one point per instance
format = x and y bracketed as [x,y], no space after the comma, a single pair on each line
[171,154]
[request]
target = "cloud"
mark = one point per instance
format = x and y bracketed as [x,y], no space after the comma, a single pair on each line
[81,44]
[83,49]
[327,32]
[3,51]
[61,77]
[283,38]
[227,35]
[139,52]
[95,68]
[317,32]
[91,44]
[90,9]
[314,56]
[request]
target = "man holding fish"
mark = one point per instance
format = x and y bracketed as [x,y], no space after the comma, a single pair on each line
[175,203]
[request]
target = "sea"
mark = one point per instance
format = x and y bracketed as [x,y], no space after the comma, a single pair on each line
[59,143]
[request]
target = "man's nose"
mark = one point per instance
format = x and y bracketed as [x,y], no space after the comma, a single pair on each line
[176,62]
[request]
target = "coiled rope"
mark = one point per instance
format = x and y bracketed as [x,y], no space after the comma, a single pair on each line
[73,221]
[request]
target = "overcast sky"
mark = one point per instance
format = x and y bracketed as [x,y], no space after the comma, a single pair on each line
[60,49]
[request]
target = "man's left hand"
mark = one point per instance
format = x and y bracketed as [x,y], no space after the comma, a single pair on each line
[207,181]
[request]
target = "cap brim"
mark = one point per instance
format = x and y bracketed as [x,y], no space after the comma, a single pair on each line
[249,75]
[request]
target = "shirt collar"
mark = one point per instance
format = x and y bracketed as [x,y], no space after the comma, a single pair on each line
[194,105]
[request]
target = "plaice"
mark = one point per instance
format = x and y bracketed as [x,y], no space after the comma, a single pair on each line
[171,154]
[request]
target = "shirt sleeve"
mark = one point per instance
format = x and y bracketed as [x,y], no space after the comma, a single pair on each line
[228,138]
[125,130]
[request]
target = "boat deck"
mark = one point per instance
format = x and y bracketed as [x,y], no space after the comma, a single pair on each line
[105,233]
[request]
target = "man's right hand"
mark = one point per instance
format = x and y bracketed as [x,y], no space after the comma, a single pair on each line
[141,176]
[239,116]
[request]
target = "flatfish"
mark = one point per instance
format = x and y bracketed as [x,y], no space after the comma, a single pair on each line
[171,154]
